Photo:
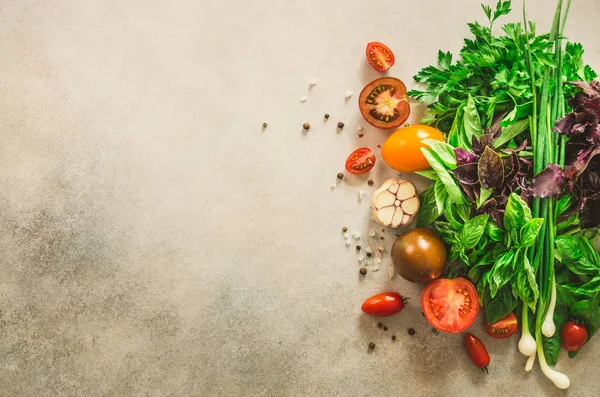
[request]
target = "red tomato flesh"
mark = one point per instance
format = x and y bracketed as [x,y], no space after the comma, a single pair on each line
[380,57]
[502,328]
[476,351]
[573,336]
[360,161]
[450,305]
[383,305]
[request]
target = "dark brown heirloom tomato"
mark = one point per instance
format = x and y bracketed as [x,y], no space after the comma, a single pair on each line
[419,255]
[477,351]
[502,328]
[383,103]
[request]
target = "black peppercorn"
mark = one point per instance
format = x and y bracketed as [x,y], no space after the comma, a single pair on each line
[411,331]
[363,270]
[340,125]
[372,345]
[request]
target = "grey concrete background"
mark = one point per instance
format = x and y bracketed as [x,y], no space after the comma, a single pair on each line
[154,241]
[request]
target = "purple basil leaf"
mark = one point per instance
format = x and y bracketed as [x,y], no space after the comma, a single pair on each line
[549,182]
[464,157]
[584,157]
[565,124]
[591,181]
[495,129]
[511,167]
[469,191]
[589,215]
[587,88]
[490,169]
[466,173]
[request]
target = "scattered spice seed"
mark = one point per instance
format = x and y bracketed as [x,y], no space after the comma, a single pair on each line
[340,175]
[306,126]
[379,325]
[385,328]
[358,247]
[381,238]
[344,229]
[326,116]
[265,125]
[372,345]
[393,337]
[379,146]
[363,270]
[406,125]
[370,182]
[435,331]
[369,254]
[340,125]
[411,331]
[360,135]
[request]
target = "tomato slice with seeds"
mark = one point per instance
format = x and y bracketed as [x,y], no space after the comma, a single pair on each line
[502,328]
[360,161]
[380,57]
[384,104]
[450,305]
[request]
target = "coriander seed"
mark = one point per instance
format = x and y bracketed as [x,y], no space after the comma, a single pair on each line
[340,175]
[363,270]
[344,229]
[372,345]
[306,126]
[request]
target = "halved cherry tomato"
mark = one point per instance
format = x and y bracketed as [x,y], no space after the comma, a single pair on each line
[383,304]
[402,149]
[380,56]
[477,351]
[502,328]
[360,161]
[573,336]
[383,103]
[450,305]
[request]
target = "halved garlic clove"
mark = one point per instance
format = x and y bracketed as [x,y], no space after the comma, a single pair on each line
[395,203]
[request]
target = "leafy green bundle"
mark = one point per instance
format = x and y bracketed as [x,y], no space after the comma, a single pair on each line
[512,182]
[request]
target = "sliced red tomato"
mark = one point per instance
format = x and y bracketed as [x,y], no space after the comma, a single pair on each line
[383,304]
[384,103]
[360,161]
[380,57]
[450,305]
[502,328]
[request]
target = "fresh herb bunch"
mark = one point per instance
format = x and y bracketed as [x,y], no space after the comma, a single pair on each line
[514,183]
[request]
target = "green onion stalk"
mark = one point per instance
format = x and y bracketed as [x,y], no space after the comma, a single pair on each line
[548,149]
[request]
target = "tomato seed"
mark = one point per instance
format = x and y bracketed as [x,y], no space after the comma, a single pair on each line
[363,270]
[340,175]
[306,126]
[371,345]
[370,182]
[340,125]
[411,331]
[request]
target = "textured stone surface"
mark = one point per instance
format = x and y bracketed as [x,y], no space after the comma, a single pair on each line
[156,242]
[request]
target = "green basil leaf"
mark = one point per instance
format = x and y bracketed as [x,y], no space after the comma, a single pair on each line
[578,255]
[454,192]
[463,257]
[473,230]
[499,306]
[472,121]
[494,232]
[444,151]
[482,287]
[511,131]
[429,174]
[563,205]
[527,288]
[464,212]
[591,287]
[571,221]
[517,213]
[429,211]
[484,194]
[452,217]
[456,127]
[441,195]
[502,272]
[530,231]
